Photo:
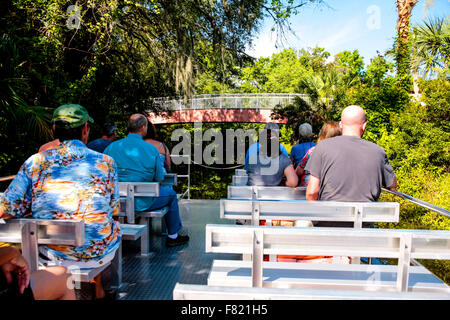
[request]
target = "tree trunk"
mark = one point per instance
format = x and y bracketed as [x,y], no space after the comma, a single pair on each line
[403,54]
[404,9]
[416,83]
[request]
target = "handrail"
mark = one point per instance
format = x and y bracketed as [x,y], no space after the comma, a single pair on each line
[228,101]
[419,202]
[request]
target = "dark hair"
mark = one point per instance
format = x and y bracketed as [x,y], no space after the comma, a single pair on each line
[109,128]
[151,131]
[267,149]
[63,132]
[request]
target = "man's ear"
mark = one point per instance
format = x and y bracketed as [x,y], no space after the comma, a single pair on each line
[86,128]
[85,133]
[364,126]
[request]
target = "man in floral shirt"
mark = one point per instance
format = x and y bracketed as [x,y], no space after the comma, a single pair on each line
[69,182]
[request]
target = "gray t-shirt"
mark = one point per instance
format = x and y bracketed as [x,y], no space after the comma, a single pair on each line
[267,171]
[350,169]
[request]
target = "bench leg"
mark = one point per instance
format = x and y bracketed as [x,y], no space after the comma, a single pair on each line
[117,265]
[145,238]
[158,225]
[145,249]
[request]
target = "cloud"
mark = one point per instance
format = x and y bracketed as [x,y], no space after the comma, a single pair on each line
[334,37]
[350,32]
[264,44]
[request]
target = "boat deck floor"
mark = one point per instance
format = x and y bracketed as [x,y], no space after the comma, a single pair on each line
[154,277]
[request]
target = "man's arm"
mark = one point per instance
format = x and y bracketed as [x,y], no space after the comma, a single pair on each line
[312,190]
[394,184]
[16,201]
[291,177]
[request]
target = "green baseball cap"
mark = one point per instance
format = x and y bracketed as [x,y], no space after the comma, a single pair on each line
[73,114]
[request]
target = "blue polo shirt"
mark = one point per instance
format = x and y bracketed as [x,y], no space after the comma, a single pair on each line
[137,161]
[253,151]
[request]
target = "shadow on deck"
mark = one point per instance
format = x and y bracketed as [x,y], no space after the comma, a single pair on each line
[154,277]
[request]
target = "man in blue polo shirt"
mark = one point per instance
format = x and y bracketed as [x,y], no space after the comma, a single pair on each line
[138,161]
[253,150]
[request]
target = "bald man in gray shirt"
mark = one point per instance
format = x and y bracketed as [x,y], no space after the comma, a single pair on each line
[347,167]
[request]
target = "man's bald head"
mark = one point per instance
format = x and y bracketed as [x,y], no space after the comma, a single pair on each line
[136,123]
[353,120]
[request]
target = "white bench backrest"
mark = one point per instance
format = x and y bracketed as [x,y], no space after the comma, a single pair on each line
[356,212]
[266,193]
[139,189]
[170,179]
[31,232]
[129,190]
[426,244]
[383,243]
[239,180]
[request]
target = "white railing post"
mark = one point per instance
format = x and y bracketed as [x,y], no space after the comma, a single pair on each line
[403,262]
[257,258]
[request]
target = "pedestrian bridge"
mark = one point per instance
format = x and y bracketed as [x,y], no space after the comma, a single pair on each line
[222,108]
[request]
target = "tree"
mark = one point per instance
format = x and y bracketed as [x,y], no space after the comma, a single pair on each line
[22,124]
[350,63]
[402,45]
[430,48]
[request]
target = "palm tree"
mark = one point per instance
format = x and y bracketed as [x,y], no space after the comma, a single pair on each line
[324,87]
[13,107]
[404,9]
[432,44]
[430,48]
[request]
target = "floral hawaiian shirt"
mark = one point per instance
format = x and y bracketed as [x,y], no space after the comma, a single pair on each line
[69,182]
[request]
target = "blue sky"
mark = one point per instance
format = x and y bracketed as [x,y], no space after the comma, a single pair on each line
[366,25]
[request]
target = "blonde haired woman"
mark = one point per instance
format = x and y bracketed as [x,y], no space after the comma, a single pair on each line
[329,130]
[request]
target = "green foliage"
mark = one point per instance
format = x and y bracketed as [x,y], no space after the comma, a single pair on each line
[22,124]
[378,70]
[402,57]
[418,149]
[352,63]
[437,101]
[378,93]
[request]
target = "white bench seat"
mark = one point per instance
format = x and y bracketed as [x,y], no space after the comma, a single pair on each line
[132,231]
[154,213]
[323,276]
[86,275]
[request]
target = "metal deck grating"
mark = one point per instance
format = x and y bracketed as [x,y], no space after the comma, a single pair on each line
[154,277]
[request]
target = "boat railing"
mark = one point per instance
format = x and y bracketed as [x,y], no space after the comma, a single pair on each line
[419,202]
